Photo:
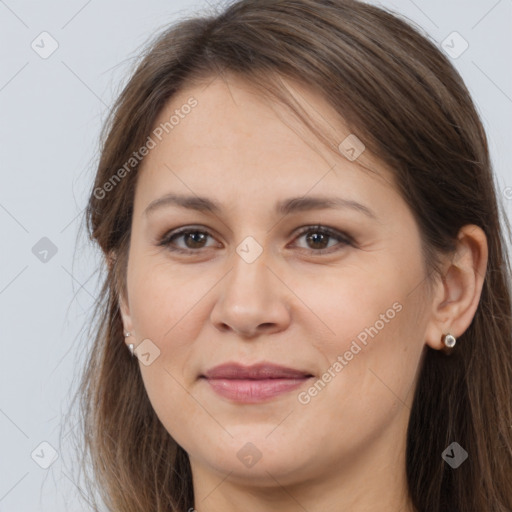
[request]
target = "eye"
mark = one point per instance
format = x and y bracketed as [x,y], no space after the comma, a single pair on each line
[194,239]
[319,237]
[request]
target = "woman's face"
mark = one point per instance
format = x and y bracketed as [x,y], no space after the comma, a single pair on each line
[334,292]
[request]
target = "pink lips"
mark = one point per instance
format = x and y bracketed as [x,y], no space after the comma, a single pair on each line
[256,383]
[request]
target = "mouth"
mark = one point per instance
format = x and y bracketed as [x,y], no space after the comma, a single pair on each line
[255,383]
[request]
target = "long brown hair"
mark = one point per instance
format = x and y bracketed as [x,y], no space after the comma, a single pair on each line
[396,90]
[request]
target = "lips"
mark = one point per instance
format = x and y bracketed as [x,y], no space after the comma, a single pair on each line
[255,383]
[256,371]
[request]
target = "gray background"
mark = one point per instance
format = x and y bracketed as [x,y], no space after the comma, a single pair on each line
[51,110]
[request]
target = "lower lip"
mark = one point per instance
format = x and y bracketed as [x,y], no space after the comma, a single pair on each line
[252,390]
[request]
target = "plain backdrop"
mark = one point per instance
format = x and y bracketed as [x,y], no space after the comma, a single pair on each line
[52,108]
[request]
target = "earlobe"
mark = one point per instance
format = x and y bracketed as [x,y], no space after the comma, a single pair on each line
[458,292]
[128,332]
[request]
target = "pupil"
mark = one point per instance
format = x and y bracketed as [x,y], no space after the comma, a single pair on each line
[194,234]
[315,238]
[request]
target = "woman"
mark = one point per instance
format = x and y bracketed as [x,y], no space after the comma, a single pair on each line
[307,304]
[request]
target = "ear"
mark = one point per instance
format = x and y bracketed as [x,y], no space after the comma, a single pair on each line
[457,294]
[123,302]
[125,315]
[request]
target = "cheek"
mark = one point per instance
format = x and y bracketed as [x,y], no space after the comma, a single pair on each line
[371,336]
[163,298]
[161,311]
[353,303]
[368,381]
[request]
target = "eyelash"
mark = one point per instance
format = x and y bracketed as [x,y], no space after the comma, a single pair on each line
[345,239]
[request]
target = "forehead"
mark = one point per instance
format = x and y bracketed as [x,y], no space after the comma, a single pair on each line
[229,111]
[235,142]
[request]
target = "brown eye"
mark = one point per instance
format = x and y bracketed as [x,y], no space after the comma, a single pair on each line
[318,238]
[193,239]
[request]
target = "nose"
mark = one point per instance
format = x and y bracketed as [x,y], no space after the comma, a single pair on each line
[252,300]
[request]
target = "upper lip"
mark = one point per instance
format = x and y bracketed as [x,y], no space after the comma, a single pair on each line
[256,371]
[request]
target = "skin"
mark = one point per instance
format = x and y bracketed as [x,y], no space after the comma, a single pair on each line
[345,448]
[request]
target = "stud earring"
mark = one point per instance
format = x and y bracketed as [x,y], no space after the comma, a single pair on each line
[449,340]
[131,346]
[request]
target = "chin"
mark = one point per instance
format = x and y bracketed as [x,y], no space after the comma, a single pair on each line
[258,460]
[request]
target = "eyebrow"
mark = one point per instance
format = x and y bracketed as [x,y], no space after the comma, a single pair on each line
[284,207]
